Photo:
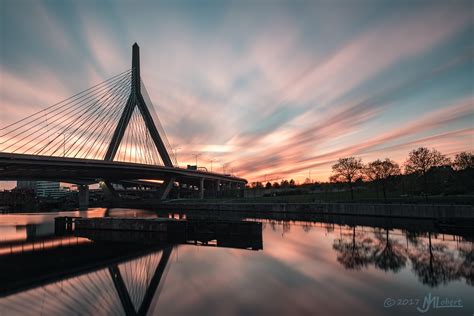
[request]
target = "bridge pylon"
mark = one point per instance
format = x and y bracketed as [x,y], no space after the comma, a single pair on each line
[136,100]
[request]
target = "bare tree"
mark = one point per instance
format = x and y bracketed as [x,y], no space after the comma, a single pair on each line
[347,170]
[421,160]
[464,160]
[380,171]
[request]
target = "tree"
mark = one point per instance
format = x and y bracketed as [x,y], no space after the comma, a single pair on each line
[421,160]
[347,170]
[257,185]
[380,171]
[276,185]
[268,185]
[464,160]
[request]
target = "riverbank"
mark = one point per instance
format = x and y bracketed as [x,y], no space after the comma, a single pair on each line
[425,211]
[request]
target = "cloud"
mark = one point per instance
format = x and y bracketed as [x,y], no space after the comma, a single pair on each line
[375,147]
[277,96]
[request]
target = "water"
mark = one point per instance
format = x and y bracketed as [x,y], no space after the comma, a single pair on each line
[332,266]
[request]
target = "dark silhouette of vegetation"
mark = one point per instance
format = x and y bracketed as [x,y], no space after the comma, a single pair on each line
[380,171]
[428,176]
[427,171]
[463,161]
[347,170]
[420,161]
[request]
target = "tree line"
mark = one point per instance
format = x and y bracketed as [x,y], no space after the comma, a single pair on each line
[421,162]
[425,171]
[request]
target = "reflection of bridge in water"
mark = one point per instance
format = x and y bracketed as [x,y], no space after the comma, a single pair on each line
[120,288]
[127,278]
[84,277]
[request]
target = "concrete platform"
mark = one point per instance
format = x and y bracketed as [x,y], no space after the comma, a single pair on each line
[209,232]
[131,224]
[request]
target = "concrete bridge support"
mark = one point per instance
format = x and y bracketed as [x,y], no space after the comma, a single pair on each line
[109,190]
[83,195]
[166,188]
[201,188]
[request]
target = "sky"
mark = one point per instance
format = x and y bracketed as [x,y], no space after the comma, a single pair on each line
[265,89]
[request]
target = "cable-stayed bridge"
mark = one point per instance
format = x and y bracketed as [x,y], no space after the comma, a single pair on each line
[109,132]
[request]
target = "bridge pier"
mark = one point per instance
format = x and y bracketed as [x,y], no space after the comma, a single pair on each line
[201,188]
[166,188]
[109,190]
[83,194]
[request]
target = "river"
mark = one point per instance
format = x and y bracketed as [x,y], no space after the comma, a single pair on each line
[298,266]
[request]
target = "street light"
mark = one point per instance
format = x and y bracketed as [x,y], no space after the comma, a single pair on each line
[212,161]
[196,156]
[175,150]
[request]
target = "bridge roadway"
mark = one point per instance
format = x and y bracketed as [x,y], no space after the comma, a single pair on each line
[84,171]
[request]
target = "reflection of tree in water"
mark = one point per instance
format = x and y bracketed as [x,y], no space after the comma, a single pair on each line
[466,267]
[433,264]
[329,227]
[286,228]
[388,254]
[354,253]
[412,238]
[306,227]
[273,225]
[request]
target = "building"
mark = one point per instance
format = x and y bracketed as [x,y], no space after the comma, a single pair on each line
[49,189]
[28,185]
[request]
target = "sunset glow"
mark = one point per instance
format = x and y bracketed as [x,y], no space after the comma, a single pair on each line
[266,91]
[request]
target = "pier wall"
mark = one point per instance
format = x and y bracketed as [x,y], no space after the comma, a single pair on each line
[384,210]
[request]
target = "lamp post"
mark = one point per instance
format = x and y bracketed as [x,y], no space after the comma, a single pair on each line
[175,151]
[215,160]
[196,156]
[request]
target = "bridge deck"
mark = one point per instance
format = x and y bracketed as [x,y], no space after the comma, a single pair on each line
[24,167]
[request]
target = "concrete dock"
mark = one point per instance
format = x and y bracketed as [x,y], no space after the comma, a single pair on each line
[131,224]
[220,233]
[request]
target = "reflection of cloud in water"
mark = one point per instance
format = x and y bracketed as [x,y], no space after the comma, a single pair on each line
[304,268]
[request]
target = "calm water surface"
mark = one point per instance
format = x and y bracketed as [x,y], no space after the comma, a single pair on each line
[304,268]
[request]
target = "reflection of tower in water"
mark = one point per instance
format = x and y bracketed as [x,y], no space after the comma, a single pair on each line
[128,288]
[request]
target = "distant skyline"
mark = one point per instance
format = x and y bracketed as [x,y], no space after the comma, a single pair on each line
[271,89]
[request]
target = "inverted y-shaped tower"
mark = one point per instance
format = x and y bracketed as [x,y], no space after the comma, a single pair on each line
[136,99]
